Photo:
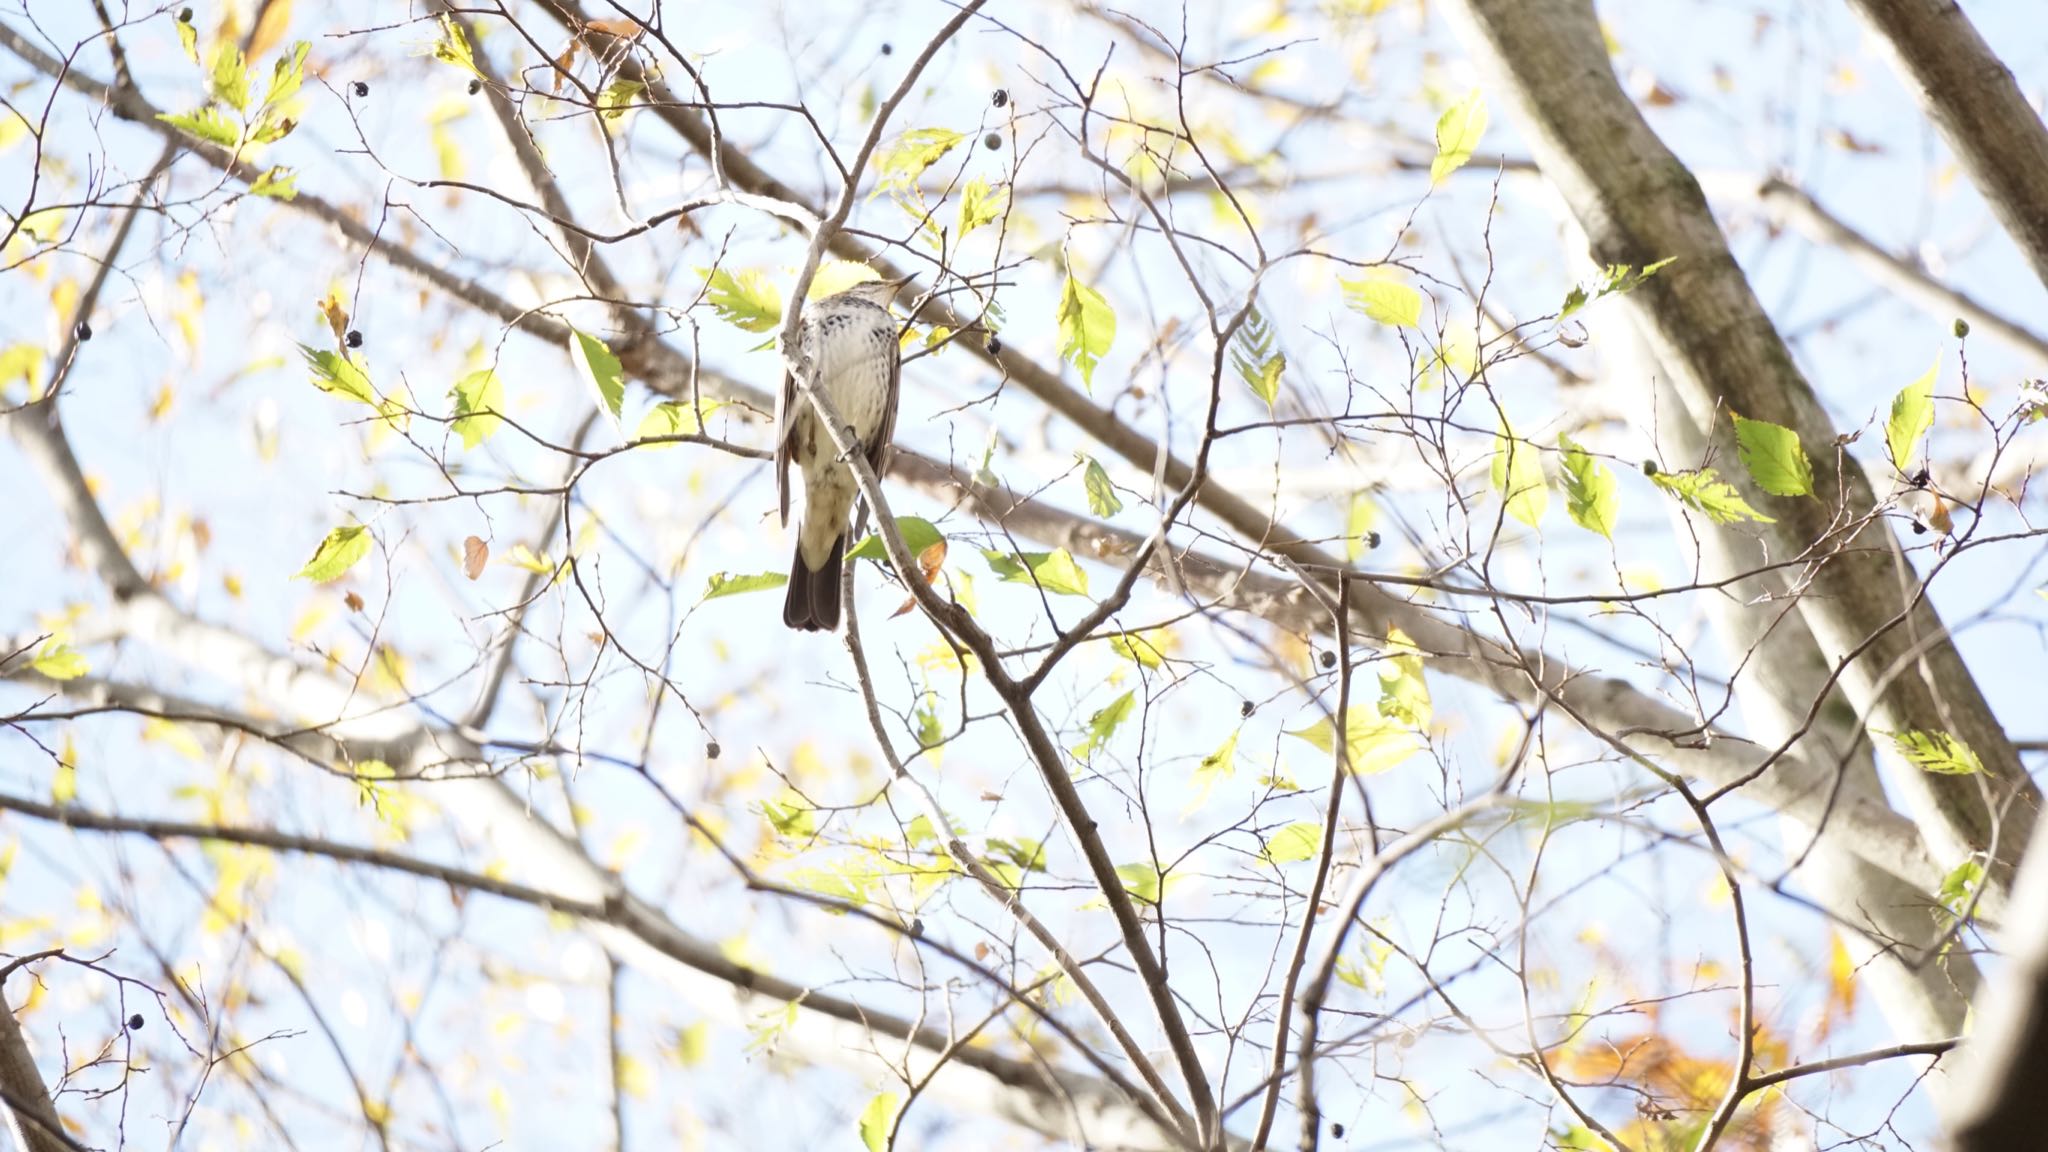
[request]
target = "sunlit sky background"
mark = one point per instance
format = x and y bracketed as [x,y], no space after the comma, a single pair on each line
[220,424]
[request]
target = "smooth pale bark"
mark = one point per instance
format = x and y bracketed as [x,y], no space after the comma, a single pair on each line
[1889,927]
[1972,97]
[1997,1107]
[24,1099]
[1637,205]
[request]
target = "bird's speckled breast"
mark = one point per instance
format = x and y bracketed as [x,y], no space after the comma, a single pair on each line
[848,343]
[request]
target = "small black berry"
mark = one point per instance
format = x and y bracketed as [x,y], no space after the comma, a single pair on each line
[1920,478]
[1336,1130]
[711,750]
[888,49]
[916,927]
[1649,467]
[1962,327]
[1001,97]
[184,16]
[354,339]
[82,331]
[1245,709]
[1329,659]
[1372,539]
[475,86]
[995,346]
[992,141]
[135,1022]
[360,89]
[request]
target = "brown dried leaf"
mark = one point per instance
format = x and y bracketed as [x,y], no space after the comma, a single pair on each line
[566,63]
[475,554]
[353,600]
[337,316]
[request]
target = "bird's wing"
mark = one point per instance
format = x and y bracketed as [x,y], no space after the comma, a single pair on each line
[884,445]
[785,419]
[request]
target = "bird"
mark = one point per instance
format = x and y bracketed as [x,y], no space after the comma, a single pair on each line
[847,347]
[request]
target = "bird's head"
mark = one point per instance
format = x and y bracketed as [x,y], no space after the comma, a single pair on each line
[879,292]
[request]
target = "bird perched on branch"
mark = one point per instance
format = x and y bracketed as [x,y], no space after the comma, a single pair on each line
[847,348]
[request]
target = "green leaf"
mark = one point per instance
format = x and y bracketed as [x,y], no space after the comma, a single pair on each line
[1146,649]
[1936,752]
[1404,694]
[1298,841]
[1774,457]
[918,535]
[1457,134]
[479,398]
[617,97]
[1054,571]
[929,730]
[1359,519]
[1389,302]
[1614,278]
[286,75]
[1257,363]
[832,278]
[336,554]
[277,183]
[600,371]
[1104,723]
[745,300]
[1027,854]
[1141,881]
[1102,499]
[1517,474]
[1218,765]
[208,124]
[1961,883]
[1703,491]
[727,584]
[338,373]
[979,205]
[453,47]
[60,662]
[1375,745]
[188,37]
[903,160]
[1912,416]
[1589,489]
[676,418]
[791,816]
[64,785]
[230,79]
[1087,327]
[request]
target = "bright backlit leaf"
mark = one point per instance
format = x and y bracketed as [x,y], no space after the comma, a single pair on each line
[744,299]
[230,80]
[1613,279]
[1087,327]
[1912,415]
[1387,301]
[209,124]
[918,535]
[1102,498]
[1376,743]
[336,554]
[727,584]
[453,47]
[1104,723]
[1517,474]
[479,398]
[1218,765]
[599,370]
[832,278]
[1457,134]
[1936,752]
[277,184]
[337,373]
[980,204]
[1298,841]
[1257,362]
[1359,518]
[60,661]
[1589,489]
[1774,457]
[1703,491]
[900,162]
[1054,571]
